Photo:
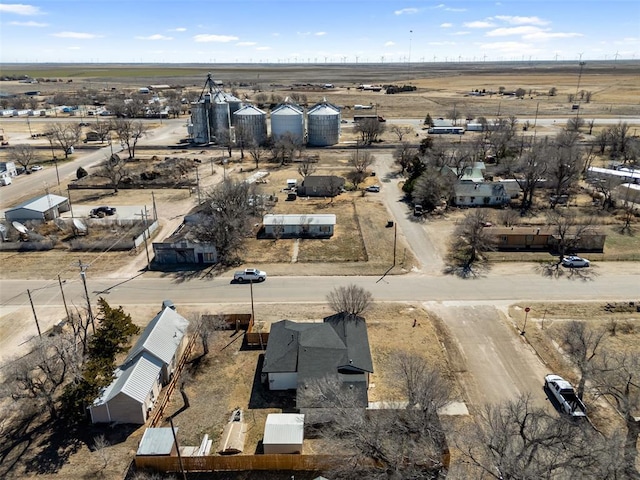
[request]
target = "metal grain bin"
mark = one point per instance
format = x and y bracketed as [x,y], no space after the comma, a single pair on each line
[288,118]
[323,124]
[253,122]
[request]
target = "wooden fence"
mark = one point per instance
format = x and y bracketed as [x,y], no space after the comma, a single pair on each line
[238,463]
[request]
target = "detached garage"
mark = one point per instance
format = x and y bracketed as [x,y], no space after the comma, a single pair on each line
[46,207]
[283,433]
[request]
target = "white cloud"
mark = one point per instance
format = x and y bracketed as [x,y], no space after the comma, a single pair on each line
[406,11]
[516,20]
[73,48]
[548,35]
[179,29]
[19,9]
[507,47]
[246,44]
[446,25]
[29,24]
[442,6]
[462,32]
[157,36]
[479,24]
[263,48]
[79,35]
[389,44]
[506,31]
[304,34]
[320,34]
[214,38]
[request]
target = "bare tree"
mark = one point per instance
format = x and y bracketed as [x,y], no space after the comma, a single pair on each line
[352,299]
[565,162]
[24,154]
[285,146]
[516,440]
[39,375]
[509,217]
[404,155]
[568,230]
[431,188]
[605,187]
[257,152]
[401,441]
[454,114]
[115,169]
[103,130]
[369,130]
[307,167]
[581,344]
[226,219]
[100,446]
[617,377]
[333,186]
[529,171]
[64,135]
[360,161]
[400,131]
[502,136]
[470,242]
[129,132]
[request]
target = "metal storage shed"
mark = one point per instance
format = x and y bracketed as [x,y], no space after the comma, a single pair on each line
[157,441]
[283,433]
[46,207]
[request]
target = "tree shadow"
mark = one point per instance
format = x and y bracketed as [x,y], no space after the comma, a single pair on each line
[556,270]
[464,271]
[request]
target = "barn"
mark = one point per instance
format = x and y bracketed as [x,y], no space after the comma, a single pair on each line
[46,207]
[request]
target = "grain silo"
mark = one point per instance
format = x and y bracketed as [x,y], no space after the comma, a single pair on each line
[252,122]
[200,129]
[220,118]
[288,118]
[323,125]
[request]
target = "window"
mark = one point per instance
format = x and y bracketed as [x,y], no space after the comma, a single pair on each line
[209,257]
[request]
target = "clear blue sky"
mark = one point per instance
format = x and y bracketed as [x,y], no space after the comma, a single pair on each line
[303,31]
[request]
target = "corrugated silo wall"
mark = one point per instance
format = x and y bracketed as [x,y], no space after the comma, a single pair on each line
[324,130]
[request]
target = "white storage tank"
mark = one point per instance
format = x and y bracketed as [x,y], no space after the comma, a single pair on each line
[323,125]
[288,118]
[254,123]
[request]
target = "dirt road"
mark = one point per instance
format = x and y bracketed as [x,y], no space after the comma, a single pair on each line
[492,362]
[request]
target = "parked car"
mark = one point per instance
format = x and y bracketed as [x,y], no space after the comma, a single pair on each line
[573,261]
[250,275]
[373,188]
[35,168]
[103,211]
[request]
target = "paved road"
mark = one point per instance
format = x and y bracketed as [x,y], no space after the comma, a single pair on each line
[39,182]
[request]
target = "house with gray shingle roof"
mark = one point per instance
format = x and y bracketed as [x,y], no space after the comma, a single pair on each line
[299,354]
[150,364]
[487,194]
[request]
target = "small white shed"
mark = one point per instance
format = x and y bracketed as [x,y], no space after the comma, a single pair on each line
[283,433]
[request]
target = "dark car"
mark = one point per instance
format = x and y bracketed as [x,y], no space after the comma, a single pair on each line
[103,211]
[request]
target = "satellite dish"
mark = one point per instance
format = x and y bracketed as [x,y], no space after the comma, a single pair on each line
[81,227]
[20,227]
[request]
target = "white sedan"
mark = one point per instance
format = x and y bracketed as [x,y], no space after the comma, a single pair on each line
[572,261]
[35,168]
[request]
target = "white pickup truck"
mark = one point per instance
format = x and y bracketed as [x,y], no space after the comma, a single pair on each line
[250,275]
[564,397]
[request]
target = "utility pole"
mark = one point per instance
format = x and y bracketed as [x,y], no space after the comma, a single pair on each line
[35,317]
[143,214]
[175,441]
[83,275]
[198,185]
[64,300]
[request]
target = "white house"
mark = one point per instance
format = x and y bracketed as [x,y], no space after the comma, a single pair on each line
[8,169]
[299,225]
[150,365]
[283,433]
[472,194]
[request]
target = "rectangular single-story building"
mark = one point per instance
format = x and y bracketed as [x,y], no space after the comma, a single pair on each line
[542,238]
[8,169]
[321,186]
[46,207]
[299,225]
[182,247]
[474,194]
[283,433]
